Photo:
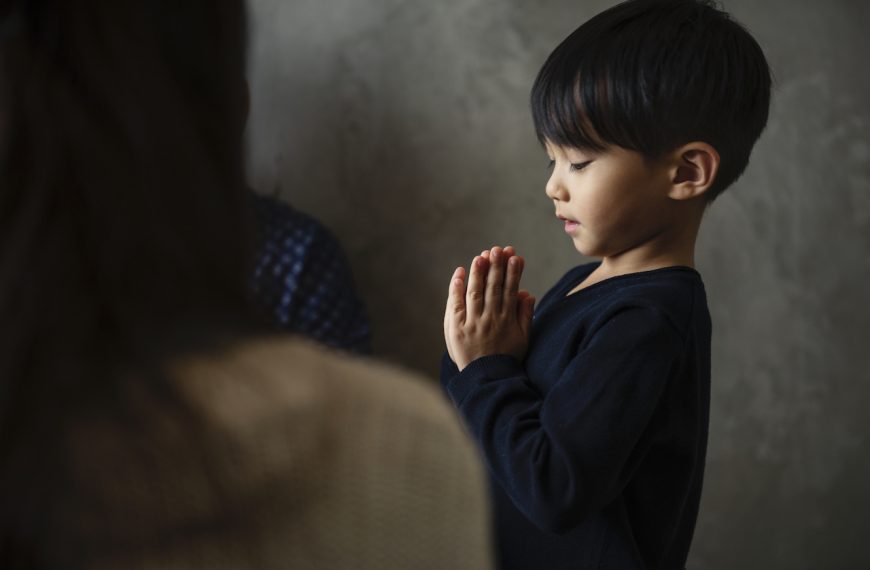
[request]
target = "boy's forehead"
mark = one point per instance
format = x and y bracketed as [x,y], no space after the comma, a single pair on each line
[555,148]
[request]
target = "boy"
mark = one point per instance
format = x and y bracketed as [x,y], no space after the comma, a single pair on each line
[593,418]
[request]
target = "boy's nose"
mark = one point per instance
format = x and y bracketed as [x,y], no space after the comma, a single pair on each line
[555,190]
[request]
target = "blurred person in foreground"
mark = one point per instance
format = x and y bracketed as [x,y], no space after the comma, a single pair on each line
[146,420]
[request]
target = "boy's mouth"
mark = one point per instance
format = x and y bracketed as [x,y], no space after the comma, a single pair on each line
[570,225]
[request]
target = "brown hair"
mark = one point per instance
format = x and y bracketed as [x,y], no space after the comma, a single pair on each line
[123,226]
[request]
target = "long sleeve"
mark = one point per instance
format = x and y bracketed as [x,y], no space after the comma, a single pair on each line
[568,453]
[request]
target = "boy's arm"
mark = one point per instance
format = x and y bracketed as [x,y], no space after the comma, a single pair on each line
[572,452]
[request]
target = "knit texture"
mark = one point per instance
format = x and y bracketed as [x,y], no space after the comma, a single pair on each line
[325,462]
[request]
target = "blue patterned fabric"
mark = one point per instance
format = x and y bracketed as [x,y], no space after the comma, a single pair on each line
[302,282]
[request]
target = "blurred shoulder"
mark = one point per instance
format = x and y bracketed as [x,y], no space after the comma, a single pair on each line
[288,387]
[325,461]
[378,454]
[279,221]
[296,367]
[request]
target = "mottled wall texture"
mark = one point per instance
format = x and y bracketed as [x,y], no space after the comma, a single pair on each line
[404,126]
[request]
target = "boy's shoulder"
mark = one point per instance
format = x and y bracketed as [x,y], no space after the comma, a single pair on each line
[677,293]
[574,275]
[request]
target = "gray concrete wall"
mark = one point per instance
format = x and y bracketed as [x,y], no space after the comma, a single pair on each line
[403,125]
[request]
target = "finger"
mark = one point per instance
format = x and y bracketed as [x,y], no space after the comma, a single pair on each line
[485,254]
[514,273]
[454,314]
[525,314]
[522,295]
[474,301]
[495,281]
[521,298]
[509,251]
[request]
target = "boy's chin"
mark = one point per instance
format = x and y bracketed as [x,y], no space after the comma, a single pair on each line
[584,249]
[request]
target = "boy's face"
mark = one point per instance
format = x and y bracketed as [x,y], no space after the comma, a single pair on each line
[610,202]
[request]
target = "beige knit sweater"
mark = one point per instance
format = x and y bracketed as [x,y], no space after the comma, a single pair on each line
[326,462]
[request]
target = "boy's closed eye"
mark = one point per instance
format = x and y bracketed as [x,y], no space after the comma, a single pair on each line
[575,166]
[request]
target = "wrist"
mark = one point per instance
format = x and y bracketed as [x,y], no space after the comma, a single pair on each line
[464,363]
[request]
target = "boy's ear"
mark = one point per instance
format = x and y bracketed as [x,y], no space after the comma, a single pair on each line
[694,170]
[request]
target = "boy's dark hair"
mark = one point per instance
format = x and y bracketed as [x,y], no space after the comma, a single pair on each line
[651,75]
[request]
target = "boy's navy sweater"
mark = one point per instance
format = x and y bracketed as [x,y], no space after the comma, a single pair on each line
[596,443]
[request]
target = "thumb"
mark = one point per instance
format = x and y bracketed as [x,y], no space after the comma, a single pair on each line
[455,309]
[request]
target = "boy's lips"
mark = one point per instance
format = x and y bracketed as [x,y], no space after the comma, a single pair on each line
[570,225]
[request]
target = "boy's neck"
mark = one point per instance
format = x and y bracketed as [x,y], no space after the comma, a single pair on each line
[636,260]
[673,247]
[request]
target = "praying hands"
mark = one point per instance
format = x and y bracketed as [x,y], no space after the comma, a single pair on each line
[490,315]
